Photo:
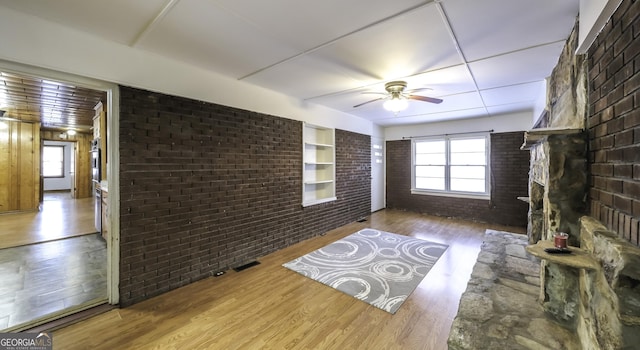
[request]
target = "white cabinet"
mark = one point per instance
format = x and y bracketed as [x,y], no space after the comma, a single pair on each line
[319,165]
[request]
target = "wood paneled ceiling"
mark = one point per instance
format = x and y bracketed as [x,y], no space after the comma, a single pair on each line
[55,104]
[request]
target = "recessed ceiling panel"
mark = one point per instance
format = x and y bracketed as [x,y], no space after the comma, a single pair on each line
[115,20]
[305,25]
[510,108]
[493,27]
[413,43]
[308,76]
[201,33]
[527,93]
[519,67]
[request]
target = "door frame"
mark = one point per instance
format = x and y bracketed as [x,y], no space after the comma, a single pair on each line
[113,168]
[378,185]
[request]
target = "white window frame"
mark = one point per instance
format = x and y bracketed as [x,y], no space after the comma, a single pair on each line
[447,192]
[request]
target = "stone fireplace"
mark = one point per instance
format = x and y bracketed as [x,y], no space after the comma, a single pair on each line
[594,291]
[557,182]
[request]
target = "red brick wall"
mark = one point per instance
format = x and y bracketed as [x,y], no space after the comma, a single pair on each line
[614,122]
[205,188]
[510,170]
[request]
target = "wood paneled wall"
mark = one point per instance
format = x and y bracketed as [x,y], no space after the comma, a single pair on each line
[82,178]
[19,166]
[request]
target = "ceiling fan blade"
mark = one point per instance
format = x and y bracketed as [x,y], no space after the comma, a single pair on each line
[425,99]
[364,103]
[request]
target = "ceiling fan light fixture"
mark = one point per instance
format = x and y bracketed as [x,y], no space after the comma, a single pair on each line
[396,104]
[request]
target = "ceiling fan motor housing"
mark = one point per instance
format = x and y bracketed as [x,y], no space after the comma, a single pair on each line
[395,88]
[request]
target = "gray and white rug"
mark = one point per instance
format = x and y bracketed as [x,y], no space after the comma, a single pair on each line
[377,267]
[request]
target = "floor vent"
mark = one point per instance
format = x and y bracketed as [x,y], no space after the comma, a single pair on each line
[362,220]
[245,266]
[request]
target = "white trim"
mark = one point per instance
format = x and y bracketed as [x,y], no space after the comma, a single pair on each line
[448,193]
[483,196]
[113,117]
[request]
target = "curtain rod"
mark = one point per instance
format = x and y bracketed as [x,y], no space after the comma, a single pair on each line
[455,133]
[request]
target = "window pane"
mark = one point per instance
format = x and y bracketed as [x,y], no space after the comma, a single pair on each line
[468,145]
[430,146]
[436,159]
[430,171]
[430,177]
[430,183]
[468,185]
[468,172]
[468,158]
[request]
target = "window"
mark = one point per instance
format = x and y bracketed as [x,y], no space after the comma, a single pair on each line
[451,165]
[53,161]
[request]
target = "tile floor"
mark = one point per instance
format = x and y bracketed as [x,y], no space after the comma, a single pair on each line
[44,278]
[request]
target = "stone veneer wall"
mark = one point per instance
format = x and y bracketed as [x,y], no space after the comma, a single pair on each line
[596,292]
[614,123]
[557,184]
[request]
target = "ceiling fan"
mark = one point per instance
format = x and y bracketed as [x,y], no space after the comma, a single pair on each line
[396,98]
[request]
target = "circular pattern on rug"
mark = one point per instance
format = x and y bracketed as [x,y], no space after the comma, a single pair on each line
[360,284]
[368,233]
[420,252]
[389,253]
[396,271]
[377,267]
[353,252]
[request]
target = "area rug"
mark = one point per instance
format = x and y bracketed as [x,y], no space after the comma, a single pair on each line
[377,267]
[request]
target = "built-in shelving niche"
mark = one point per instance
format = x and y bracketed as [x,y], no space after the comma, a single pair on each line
[319,170]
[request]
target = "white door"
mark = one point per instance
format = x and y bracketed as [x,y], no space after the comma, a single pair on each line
[377,174]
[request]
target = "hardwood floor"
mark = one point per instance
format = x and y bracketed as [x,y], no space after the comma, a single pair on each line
[60,217]
[41,280]
[51,261]
[270,307]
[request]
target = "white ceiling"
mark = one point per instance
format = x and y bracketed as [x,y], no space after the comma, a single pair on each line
[482,57]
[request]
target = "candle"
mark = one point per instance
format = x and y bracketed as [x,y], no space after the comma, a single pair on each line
[560,240]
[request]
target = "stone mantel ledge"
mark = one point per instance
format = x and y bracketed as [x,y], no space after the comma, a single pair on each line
[579,258]
[535,136]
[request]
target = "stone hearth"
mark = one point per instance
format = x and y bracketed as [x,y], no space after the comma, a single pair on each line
[500,308]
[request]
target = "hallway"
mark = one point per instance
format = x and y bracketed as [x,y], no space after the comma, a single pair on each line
[61,217]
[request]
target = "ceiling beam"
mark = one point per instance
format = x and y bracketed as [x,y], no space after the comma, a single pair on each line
[334,40]
[447,24]
[151,25]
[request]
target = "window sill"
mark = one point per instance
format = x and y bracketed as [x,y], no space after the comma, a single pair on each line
[482,196]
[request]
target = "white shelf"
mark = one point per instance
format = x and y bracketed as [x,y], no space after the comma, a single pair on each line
[318,170]
[317,144]
[318,182]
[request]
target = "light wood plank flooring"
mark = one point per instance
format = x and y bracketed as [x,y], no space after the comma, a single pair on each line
[60,217]
[40,280]
[271,307]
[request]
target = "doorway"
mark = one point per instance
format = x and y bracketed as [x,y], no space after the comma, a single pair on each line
[69,249]
[377,174]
